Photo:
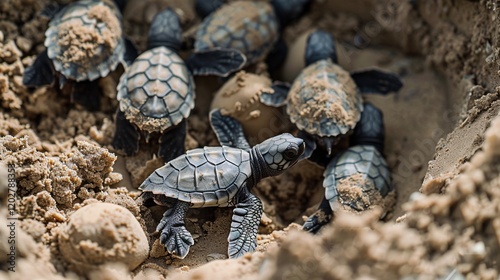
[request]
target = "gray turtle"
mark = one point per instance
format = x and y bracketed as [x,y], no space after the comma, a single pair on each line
[325,101]
[84,42]
[156,93]
[357,177]
[240,33]
[219,176]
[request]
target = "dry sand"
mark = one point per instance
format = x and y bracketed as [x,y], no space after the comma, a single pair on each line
[442,138]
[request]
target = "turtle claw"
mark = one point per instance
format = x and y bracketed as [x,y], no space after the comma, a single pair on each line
[313,224]
[177,240]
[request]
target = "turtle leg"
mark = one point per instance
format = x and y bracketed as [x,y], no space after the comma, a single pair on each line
[131,52]
[320,218]
[174,235]
[40,73]
[276,98]
[219,62]
[245,223]
[126,135]
[172,142]
[376,81]
[206,7]
[88,94]
[228,130]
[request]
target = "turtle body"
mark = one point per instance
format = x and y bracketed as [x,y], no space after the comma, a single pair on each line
[156,93]
[84,42]
[218,176]
[358,178]
[325,101]
[239,33]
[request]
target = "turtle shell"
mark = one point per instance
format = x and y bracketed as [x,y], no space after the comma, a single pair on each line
[250,27]
[157,91]
[324,100]
[84,40]
[361,172]
[204,177]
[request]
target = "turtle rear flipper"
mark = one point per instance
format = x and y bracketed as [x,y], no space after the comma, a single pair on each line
[174,235]
[277,98]
[40,73]
[376,81]
[88,94]
[126,135]
[172,142]
[229,131]
[219,62]
[320,218]
[245,223]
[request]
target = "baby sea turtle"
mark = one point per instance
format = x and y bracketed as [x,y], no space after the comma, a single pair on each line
[239,33]
[357,177]
[156,93]
[324,101]
[219,176]
[84,42]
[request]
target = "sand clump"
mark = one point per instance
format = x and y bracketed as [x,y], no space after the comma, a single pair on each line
[102,233]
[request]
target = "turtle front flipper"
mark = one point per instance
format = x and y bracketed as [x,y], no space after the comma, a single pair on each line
[88,94]
[126,135]
[320,218]
[245,223]
[131,52]
[376,81]
[172,142]
[174,235]
[40,73]
[309,142]
[276,98]
[219,62]
[229,131]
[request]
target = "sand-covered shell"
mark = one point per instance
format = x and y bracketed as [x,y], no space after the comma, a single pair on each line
[157,91]
[84,40]
[324,100]
[204,177]
[358,178]
[247,26]
[239,98]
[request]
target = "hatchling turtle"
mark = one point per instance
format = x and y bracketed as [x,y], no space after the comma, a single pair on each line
[325,101]
[84,42]
[357,177]
[239,33]
[156,93]
[218,177]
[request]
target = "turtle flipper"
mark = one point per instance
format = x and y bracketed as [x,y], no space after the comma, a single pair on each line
[245,223]
[229,131]
[206,7]
[219,62]
[277,56]
[376,81]
[278,97]
[126,135]
[40,73]
[172,142]
[310,144]
[131,52]
[88,94]
[319,218]
[174,235]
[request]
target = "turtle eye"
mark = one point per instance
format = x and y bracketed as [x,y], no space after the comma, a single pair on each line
[290,154]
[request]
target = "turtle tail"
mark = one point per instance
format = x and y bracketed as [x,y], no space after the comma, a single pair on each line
[219,62]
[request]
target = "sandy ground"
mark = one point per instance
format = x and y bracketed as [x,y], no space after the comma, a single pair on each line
[442,146]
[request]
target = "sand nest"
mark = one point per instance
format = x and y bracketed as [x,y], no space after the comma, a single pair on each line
[69,178]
